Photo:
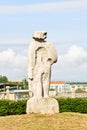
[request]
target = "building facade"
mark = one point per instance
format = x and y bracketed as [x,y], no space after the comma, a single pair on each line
[60,86]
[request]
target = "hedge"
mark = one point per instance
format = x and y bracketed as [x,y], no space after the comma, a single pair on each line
[8,107]
[4,107]
[73,105]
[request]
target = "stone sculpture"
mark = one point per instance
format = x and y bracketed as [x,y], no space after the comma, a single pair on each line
[41,55]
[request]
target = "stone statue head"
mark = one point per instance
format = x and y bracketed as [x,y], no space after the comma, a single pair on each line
[39,35]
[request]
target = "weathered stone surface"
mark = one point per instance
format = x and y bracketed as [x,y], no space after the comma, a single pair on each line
[41,55]
[42,105]
[39,35]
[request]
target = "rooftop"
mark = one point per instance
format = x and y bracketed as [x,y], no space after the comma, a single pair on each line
[57,82]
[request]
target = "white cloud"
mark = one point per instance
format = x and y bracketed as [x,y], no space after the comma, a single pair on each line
[72,65]
[75,56]
[12,64]
[6,56]
[43,7]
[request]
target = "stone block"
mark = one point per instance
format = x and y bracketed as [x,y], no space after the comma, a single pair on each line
[42,105]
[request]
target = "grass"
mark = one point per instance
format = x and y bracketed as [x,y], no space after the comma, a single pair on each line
[61,121]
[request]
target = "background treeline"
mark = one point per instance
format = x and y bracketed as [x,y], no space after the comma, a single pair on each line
[76,83]
[23,83]
[3,79]
[8,107]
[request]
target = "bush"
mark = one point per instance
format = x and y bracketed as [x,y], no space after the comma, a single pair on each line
[17,107]
[8,107]
[80,91]
[73,105]
[4,107]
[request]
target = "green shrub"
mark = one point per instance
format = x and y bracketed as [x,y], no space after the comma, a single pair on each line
[8,107]
[73,105]
[4,105]
[17,107]
[80,91]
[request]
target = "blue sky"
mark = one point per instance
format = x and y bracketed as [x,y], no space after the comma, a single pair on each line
[66,24]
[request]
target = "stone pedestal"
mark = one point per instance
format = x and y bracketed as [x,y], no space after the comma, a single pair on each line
[42,105]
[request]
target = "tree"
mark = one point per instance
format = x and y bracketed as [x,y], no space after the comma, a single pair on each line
[25,84]
[3,79]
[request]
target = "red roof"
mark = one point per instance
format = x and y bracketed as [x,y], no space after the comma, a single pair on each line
[57,82]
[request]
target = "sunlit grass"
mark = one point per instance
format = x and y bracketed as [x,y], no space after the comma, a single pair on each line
[61,121]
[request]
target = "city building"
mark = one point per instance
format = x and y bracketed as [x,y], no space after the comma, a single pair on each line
[60,86]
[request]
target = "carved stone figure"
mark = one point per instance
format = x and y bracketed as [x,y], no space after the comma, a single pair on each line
[41,55]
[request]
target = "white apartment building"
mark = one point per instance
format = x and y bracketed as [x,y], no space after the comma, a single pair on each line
[60,86]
